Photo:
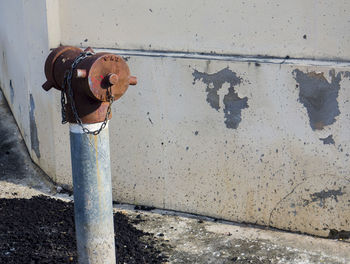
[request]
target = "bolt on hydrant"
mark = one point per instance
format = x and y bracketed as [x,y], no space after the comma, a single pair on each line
[89,82]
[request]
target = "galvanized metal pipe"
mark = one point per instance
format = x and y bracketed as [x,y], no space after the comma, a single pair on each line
[93,206]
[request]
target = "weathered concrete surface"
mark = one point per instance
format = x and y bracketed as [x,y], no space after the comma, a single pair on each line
[16,166]
[194,240]
[24,45]
[240,138]
[242,149]
[303,29]
[185,238]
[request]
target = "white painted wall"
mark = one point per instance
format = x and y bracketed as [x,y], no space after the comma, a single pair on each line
[267,171]
[260,27]
[170,148]
[24,45]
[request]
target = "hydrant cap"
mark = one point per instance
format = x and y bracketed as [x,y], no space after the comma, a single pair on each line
[108,71]
[49,66]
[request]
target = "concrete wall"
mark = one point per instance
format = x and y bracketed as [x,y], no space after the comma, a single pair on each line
[241,111]
[24,44]
[250,28]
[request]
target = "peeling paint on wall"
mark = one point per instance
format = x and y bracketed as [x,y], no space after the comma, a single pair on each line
[233,104]
[319,96]
[323,195]
[328,140]
[33,129]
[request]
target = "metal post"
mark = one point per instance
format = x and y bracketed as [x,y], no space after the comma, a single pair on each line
[93,206]
[90,82]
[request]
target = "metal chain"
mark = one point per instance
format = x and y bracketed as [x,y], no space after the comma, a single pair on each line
[63,103]
[69,93]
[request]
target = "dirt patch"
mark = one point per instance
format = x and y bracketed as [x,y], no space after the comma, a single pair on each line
[41,230]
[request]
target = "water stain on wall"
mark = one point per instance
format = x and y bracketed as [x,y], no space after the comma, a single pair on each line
[319,96]
[33,129]
[12,92]
[233,104]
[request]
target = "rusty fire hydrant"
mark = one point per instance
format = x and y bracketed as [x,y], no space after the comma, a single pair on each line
[89,83]
[94,79]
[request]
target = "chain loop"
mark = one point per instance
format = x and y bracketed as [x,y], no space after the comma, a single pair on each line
[69,94]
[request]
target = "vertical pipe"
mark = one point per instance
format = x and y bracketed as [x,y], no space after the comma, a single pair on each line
[93,206]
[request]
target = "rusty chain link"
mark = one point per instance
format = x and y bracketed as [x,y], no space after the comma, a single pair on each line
[67,83]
